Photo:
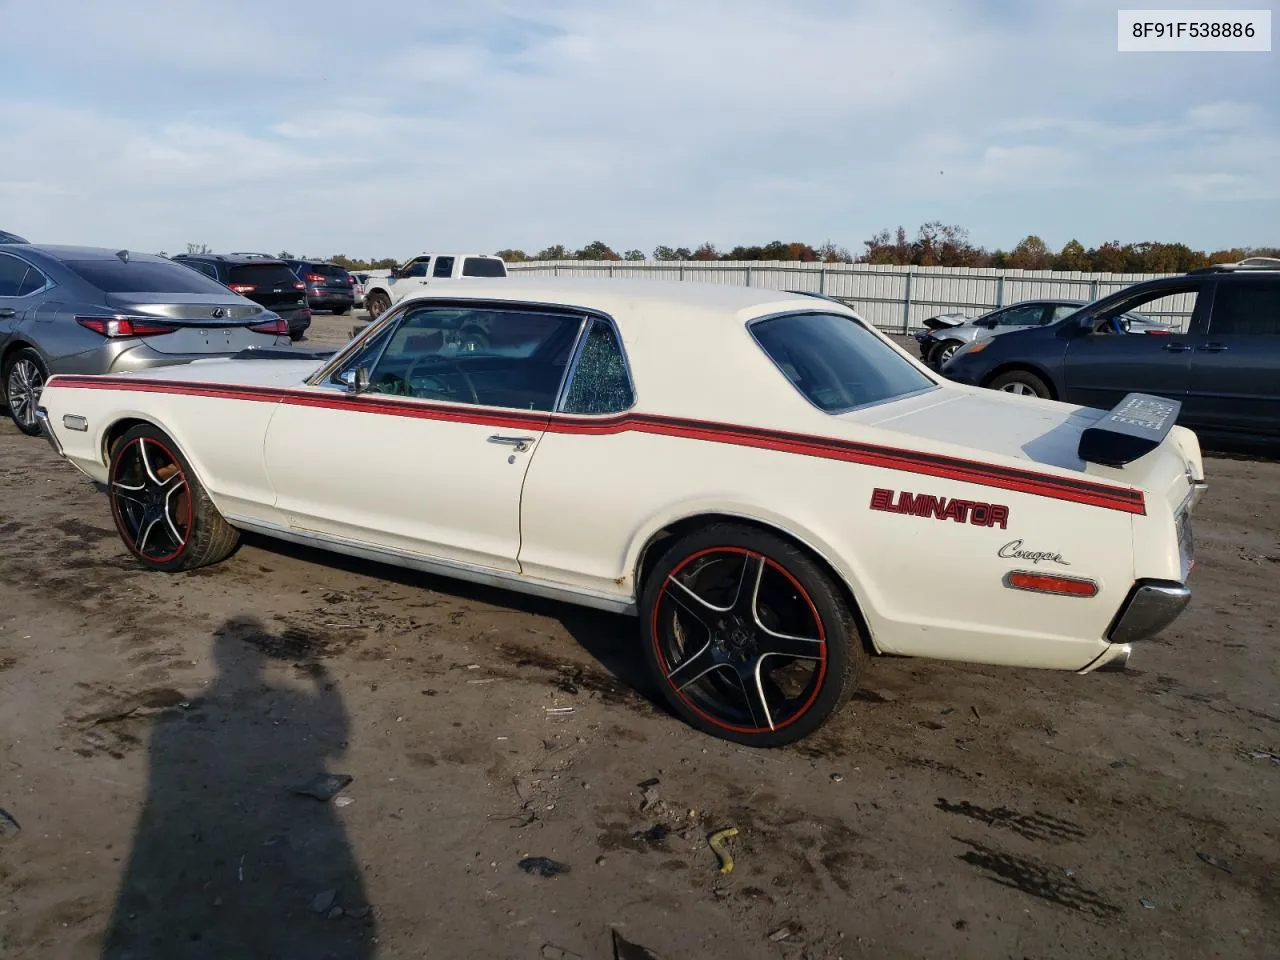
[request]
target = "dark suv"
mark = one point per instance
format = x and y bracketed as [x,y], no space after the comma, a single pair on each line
[329,286]
[263,280]
[1225,367]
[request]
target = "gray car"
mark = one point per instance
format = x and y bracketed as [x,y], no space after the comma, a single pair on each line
[89,310]
[946,334]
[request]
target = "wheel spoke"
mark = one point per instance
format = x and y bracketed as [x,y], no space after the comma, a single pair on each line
[690,601]
[146,463]
[146,535]
[744,602]
[127,486]
[752,682]
[694,667]
[168,513]
[780,645]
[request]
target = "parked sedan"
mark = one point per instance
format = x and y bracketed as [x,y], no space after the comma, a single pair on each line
[947,333]
[88,310]
[1224,370]
[769,516]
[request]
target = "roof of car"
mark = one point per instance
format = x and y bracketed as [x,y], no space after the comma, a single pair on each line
[617,296]
[61,251]
[228,257]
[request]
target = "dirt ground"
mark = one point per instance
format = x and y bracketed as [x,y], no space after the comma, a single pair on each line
[153,727]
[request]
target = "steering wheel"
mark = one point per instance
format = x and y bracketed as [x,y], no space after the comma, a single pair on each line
[432,358]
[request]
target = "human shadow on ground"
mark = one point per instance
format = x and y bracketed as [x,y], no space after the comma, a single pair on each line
[227,861]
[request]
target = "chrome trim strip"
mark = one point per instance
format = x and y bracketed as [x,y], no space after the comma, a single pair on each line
[42,418]
[452,569]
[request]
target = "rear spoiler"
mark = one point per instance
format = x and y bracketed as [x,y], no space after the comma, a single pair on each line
[1134,427]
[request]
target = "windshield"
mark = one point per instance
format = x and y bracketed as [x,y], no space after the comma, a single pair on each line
[835,361]
[143,276]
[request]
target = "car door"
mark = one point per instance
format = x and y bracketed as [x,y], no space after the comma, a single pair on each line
[430,459]
[415,275]
[442,269]
[1235,366]
[1102,364]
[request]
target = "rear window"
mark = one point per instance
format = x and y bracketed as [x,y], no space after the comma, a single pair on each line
[836,362]
[143,276]
[483,267]
[262,275]
[1247,309]
[328,270]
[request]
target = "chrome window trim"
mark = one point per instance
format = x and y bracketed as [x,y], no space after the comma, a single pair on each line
[853,318]
[323,377]
[48,285]
[572,368]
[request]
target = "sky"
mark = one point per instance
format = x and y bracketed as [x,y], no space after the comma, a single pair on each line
[410,125]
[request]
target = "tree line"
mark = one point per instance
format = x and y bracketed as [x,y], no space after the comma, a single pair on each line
[935,244]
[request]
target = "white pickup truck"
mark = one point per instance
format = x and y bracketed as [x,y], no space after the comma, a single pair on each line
[381,292]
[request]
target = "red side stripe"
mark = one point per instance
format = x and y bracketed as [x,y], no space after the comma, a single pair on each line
[1124,499]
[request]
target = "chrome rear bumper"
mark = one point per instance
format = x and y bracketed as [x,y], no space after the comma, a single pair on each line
[1150,607]
[42,417]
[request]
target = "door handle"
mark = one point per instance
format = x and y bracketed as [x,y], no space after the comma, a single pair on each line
[1175,347]
[520,443]
[7,312]
[1212,347]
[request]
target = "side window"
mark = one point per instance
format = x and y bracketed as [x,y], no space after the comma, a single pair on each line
[600,382]
[33,281]
[486,356]
[443,268]
[12,270]
[208,269]
[1246,309]
[418,268]
[1171,307]
[1027,316]
[1061,312]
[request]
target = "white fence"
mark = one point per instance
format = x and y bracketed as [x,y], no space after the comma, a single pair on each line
[894,298]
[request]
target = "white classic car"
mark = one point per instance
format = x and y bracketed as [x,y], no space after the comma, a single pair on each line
[762,477]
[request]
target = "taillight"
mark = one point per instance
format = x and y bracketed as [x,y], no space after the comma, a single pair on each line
[299,285]
[278,327]
[241,287]
[115,327]
[315,278]
[351,281]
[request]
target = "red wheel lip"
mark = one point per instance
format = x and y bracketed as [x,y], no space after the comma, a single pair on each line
[665,668]
[115,509]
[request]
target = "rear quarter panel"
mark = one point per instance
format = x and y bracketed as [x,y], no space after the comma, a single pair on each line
[222,439]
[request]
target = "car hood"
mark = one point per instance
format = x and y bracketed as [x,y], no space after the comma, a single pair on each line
[238,372]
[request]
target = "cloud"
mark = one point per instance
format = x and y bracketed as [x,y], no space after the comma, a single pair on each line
[491,124]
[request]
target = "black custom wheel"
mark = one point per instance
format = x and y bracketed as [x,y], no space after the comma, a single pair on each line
[24,377]
[161,511]
[377,304]
[748,637]
[1022,382]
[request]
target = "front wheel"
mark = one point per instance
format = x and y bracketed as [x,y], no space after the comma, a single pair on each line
[162,512]
[944,352]
[1022,382]
[377,304]
[748,637]
[24,377]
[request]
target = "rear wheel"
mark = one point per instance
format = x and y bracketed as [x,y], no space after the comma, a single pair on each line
[340,312]
[748,637]
[377,304]
[163,514]
[24,377]
[1022,382]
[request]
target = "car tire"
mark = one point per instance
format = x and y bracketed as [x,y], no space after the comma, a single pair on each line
[944,352]
[296,335]
[160,508]
[341,312]
[1022,382]
[796,613]
[377,304]
[24,377]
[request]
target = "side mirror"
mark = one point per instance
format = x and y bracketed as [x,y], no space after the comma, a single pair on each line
[356,381]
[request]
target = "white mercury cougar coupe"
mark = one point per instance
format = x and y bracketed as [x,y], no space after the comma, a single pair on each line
[762,477]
